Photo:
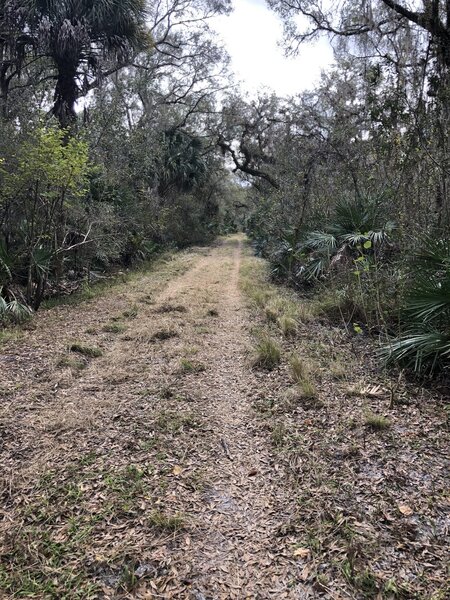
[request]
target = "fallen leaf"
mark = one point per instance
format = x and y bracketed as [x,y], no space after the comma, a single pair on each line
[405,510]
[306,572]
[301,552]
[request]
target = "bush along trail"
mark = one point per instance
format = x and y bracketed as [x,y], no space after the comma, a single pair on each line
[198,433]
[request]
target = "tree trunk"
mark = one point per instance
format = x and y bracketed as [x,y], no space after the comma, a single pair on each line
[66,95]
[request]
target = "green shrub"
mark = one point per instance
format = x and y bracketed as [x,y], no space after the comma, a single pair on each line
[425,344]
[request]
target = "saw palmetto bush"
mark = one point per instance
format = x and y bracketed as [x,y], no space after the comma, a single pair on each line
[11,310]
[425,344]
[357,231]
[348,257]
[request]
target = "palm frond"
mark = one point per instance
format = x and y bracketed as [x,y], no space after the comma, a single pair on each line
[419,351]
[434,254]
[3,307]
[429,299]
[354,238]
[314,269]
[320,240]
[17,311]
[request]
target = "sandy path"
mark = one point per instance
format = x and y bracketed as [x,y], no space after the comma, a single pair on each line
[177,407]
[240,552]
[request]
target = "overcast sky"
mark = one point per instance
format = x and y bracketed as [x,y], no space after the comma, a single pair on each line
[251,35]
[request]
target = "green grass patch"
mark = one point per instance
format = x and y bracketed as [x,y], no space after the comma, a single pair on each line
[190,366]
[168,308]
[165,522]
[114,328]
[164,334]
[174,422]
[376,422]
[8,335]
[89,351]
[130,313]
[67,362]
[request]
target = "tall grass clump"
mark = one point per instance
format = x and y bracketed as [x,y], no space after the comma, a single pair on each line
[267,353]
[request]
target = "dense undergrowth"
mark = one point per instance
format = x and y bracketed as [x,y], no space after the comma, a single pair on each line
[362,277]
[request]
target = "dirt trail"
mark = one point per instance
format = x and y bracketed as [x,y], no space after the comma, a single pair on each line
[156,438]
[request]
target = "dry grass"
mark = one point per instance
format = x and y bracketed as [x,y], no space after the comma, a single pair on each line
[288,326]
[308,389]
[166,522]
[319,427]
[299,368]
[267,353]
[301,371]
[338,370]
[376,422]
[114,490]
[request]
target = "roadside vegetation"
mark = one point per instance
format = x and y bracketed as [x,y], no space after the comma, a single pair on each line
[358,445]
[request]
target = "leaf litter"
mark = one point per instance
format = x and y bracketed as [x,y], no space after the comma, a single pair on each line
[114,488]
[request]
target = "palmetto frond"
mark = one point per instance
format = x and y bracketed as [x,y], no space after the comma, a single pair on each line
[321,240]
[426,344]
[429,299]
[355,228]
[420,351]
[315,268]
[183,164]
[13,310]
[17,311]
[435,254]
[355,238]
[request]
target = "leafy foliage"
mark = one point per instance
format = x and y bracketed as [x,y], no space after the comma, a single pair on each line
[425,344]
[356,232]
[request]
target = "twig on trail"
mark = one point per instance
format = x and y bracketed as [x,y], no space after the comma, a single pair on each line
[226,449]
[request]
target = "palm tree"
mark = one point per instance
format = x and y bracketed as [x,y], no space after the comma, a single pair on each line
[183,165]
[78,36]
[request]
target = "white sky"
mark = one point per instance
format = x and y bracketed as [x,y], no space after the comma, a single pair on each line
[251,35]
